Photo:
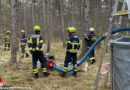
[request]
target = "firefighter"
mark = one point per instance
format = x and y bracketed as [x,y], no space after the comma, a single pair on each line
[35,46]
[23,43]
[7,40]
[72,47]
[91,38]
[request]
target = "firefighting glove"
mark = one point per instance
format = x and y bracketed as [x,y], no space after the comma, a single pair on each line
[84,35]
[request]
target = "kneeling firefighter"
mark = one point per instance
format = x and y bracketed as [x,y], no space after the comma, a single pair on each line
[35,46]
[72,47]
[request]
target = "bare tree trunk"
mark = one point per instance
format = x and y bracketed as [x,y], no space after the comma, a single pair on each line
[0,4]
[33,18]
[108,12]
[73,12]
[44,16]
[25,23]
[86,16]
[48,24]
[0,12]
[85,26]
[99,12]
[62,22]
[14,31]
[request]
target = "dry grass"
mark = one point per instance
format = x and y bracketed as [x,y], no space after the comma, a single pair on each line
[20,74]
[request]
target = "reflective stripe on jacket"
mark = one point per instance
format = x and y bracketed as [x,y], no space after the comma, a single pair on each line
[73,44]
[35,42]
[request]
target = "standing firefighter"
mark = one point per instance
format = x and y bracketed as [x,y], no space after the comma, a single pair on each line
[7,40]
[23,43]
[72,47]
[35,46]
[91,38]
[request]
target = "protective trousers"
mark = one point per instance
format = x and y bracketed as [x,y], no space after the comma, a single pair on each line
[92,57]
[38,55]
[68,57]
[23,51]
[7,46]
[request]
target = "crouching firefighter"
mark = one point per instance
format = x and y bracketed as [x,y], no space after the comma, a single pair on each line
[7,40]
[23,43]
[35,46]
[72,47]
[91,38]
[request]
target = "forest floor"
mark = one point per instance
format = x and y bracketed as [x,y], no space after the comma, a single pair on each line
[20,74]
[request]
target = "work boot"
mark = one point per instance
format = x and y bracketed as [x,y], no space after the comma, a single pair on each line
[63,74]
[74,73]
[36,75]
[27,55]
[46,74]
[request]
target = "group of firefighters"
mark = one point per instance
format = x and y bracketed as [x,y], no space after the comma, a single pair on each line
[35,43]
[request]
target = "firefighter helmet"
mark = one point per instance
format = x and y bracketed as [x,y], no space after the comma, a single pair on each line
[71,29]
[7,31]
[37,28]
[22,31]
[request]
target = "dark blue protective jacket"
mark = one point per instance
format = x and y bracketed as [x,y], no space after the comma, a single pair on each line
[91,38]
[73,43]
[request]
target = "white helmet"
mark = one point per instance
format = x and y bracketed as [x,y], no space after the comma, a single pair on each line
[91,29]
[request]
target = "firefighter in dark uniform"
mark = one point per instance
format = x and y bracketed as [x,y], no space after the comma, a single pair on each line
[23,43]
[35,46]
[91,38]
[72,47]
[7,40]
